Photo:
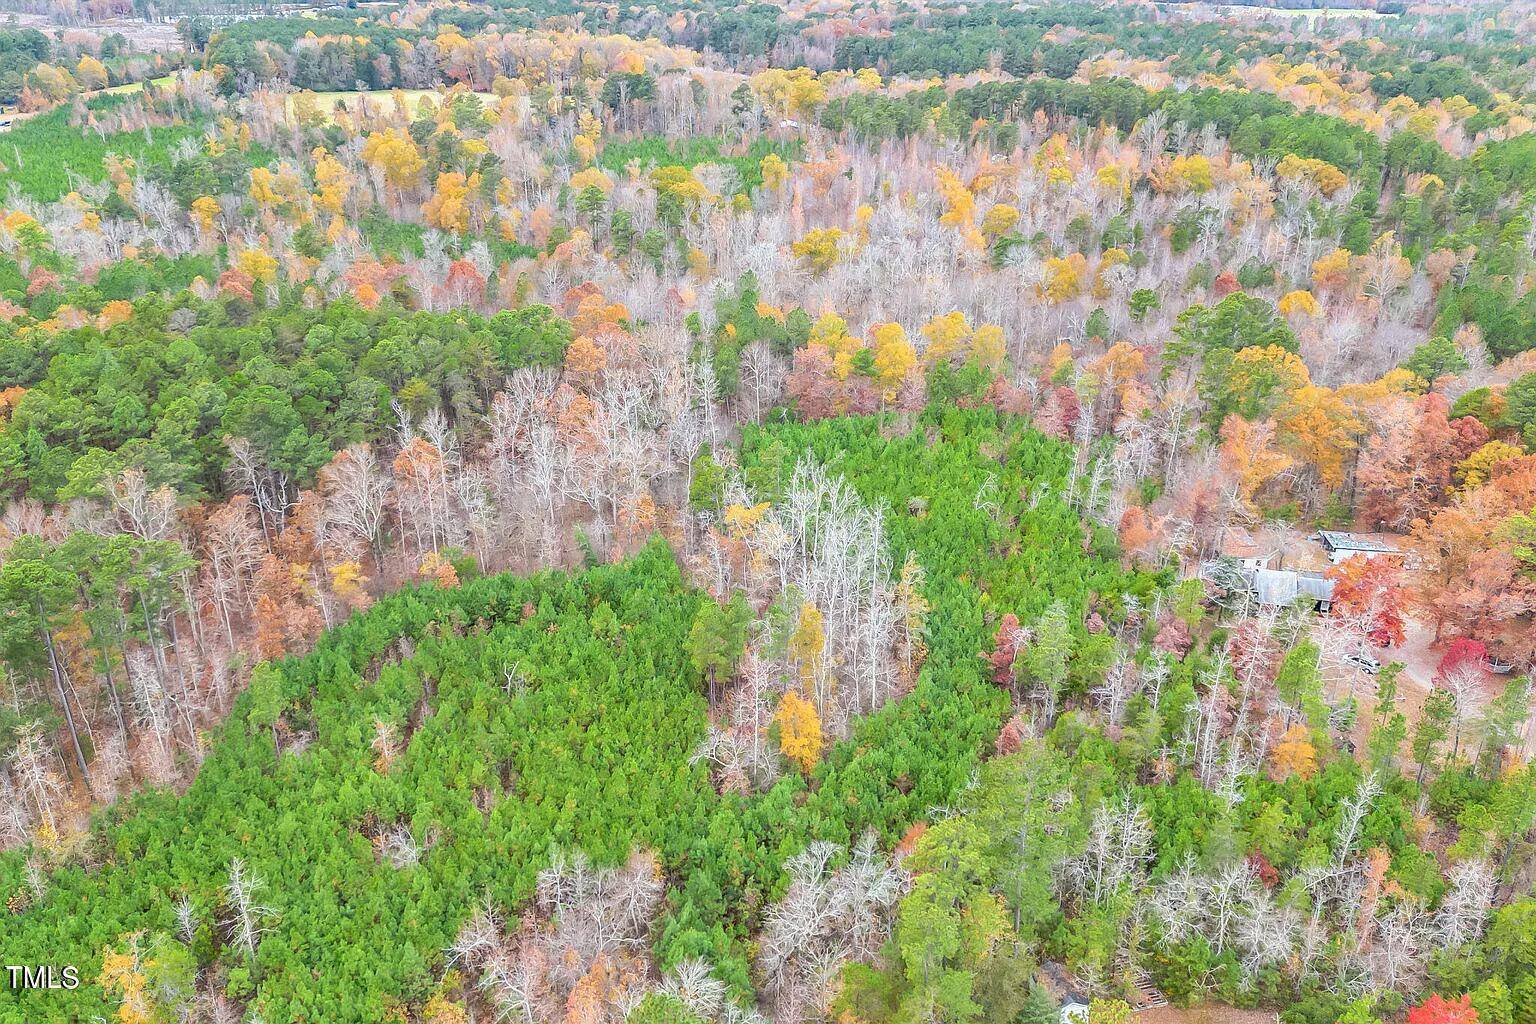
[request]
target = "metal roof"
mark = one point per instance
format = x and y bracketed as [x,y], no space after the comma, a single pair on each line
[1282,586]
[1340,541]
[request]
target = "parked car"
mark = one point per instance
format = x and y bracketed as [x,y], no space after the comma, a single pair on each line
[1364,662]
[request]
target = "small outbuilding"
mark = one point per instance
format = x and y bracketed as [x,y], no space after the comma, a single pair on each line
[1341,546]
[1074,1011]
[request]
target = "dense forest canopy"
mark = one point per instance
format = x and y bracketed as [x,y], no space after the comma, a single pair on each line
[685,513]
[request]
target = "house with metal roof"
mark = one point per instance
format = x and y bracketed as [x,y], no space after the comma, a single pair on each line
[1276,587]
[1340,546]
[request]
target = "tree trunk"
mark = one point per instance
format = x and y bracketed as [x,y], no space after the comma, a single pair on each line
[106,670]
[58,682]
[158,656]
[117,702]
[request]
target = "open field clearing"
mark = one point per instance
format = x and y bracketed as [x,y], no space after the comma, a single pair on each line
[381,99]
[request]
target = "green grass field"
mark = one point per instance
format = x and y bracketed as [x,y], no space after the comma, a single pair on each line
[132,87]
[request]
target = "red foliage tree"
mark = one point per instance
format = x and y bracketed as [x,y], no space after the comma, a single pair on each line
[813,384]
[1173,637]
[464,286]
[1059,413]
[1137,537]
[285,620]
[1461,652]
[1010,739]
[237,283]
[1006,398]
[1439,1010]
[862,398]
[1005,648]
[1471,435]
[1405,471]
[1371,587]
[1264,870]
[42,280]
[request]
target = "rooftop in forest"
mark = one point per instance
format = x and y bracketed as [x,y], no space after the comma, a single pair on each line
[1336,540]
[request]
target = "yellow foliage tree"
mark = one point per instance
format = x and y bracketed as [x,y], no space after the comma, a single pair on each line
[442,1010]
[264,187]
[1109,1011]
[1331,270]
[439,570]
[261,265]
[1123,362]
[819,249]
[894,357]
[678,184]
[741,520]
[862,215]
[125,975]
[1186,174]
[828,328]
[332,183]
[1327,178]
[1262,371]
[52,83]
[1318,427]
[90,72]
[960,203]
[790,92]
[585,360]
[988,349]
[204,210]
[800,737]
[1114,179]
[831,332]
[948,338]
[1299,301]
[1053,159]
[1064,277]
[1423,122]
[120,174]
[448,208]
[115,312]
[306,111]
[591,177]
[347,583]
[915,608]
[1475,469]
[808,642]
[1247,451]
[395,154]
[999,220]
[775,172]
[1294,754]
